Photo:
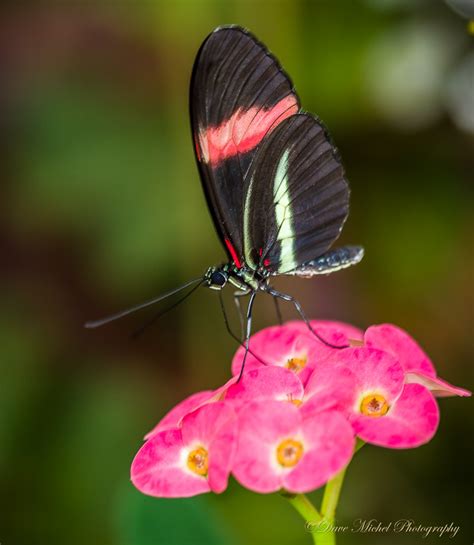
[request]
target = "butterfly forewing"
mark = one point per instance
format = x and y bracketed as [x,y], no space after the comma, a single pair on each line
[297,197]
[239,95]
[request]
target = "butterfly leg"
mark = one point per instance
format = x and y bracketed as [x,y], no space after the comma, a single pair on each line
[237,296]
[278,311]
[231,333]
[299,309]
[248,330]
[226,320]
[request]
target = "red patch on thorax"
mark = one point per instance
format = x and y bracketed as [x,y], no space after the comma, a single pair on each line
[243,131]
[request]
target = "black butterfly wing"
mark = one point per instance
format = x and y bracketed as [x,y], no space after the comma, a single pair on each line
[238,95]
[329,262]
[297,197]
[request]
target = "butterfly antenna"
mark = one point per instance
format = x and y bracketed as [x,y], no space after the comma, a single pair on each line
[97,323]
[150,322]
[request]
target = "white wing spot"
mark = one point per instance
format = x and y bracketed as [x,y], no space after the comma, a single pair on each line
[247,239]
[281,200]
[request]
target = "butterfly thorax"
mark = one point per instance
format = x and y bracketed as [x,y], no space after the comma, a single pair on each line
[243,278]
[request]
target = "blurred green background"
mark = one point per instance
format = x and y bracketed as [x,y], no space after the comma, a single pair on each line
[101,207]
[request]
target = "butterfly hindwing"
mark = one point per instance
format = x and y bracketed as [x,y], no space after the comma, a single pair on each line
[331,261]
[297,197]
[238,95]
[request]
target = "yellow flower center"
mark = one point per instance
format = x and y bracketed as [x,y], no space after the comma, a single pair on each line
[296,364]
[374,405]
[289,452]
[198,461]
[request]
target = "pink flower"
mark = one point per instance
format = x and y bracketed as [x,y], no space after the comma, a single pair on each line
[291,345]
[289,422]
[279,448]
[191,459]
[383,409]
[415,362]
[329,387]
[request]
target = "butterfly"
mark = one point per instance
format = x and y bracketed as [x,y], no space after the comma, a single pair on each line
[273,181]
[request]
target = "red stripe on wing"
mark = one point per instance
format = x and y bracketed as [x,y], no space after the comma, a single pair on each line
[233,253]
[243,131]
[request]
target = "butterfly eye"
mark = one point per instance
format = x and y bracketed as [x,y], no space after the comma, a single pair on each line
[218,279]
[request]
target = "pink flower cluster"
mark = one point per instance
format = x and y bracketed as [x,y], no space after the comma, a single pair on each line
[291,421]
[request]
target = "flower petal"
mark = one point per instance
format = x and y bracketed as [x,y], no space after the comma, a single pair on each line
[397,342]
[158,470]
[208,422]
[439,387]
[329,443]
[331,385]
[173,418]
[219,421]
[214,426]
[337,333]
[375,371]
[262,425]
[410,422]
[282,346]
[277,383]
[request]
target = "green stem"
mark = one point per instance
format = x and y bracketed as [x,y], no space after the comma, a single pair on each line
[333,491]
[320,524]
[315,523]
[331,496]
[324,535]
[304,507]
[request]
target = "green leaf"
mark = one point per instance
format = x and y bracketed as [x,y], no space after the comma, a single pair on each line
[144,520]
